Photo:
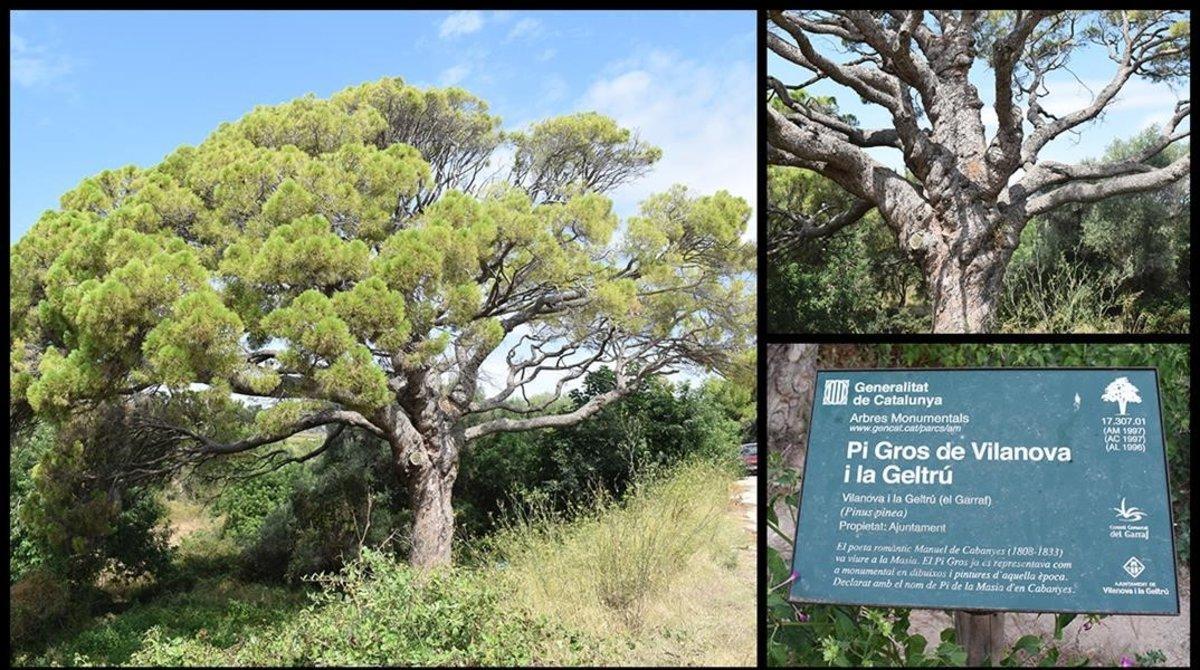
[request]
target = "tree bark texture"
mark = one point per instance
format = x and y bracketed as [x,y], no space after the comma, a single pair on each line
[791,376]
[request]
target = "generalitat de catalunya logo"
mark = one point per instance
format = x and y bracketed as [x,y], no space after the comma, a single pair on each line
[837,391]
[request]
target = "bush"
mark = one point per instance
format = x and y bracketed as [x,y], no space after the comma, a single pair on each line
[657,426]
[25,450]
[82,517]
[246,503]
[217,613]
[1060,295]
[350,499]
[39,601]
[378,612]
[855,280]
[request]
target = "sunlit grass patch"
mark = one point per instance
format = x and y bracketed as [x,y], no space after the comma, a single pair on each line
[644,572]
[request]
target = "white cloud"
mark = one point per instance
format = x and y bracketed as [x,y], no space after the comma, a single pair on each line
[547,55]
[33,65]
[452,76]
[701,115]
[525,28]
[462,22]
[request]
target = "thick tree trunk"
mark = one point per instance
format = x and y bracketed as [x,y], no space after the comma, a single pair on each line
[428,467]
[962,298]
[791,373]
[433,518]
[964,286]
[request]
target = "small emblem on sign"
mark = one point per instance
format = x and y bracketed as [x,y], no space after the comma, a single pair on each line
[836,391]
[1134,567]
[1129,513]
[1122,392]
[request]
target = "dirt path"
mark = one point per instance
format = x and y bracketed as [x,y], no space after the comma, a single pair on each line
[745,497]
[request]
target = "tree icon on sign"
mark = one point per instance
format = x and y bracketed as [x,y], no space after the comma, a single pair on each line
[1121,392]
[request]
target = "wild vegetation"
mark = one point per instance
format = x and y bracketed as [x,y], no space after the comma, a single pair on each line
[589,552]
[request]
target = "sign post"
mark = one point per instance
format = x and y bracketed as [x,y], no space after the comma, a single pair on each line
[986,491]
[981,635]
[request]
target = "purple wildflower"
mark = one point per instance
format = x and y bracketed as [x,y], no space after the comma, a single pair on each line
[1126,662]
[801,617]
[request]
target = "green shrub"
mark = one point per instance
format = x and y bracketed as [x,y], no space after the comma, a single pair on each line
[856,280]
[659,425]
[350,499]
[1061,295]
[25,450]
[377,611]
[215,612]
[80,516]
[246,502]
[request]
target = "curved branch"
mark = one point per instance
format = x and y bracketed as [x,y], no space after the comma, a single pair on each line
[872,85]
[1093,191]
[850,167]
[209,447]
[506,425]
[804,228]
[1141,48]
[880,137]
[1046,174]
[271,462]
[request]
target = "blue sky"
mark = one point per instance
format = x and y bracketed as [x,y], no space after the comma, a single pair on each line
[1140,104]
[97,90]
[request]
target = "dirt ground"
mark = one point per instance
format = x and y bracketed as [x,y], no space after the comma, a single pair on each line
[745,496]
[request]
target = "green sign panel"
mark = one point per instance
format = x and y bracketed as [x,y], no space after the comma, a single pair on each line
[990,489]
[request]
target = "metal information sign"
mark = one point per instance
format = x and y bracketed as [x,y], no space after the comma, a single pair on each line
[1033,490]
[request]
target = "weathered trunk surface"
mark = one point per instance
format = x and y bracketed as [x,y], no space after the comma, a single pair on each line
[428,465]
[433,518]
[791,374]
[960,247]
[964,294]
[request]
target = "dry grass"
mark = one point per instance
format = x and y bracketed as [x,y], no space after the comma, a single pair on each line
[187,517]
[665,578]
